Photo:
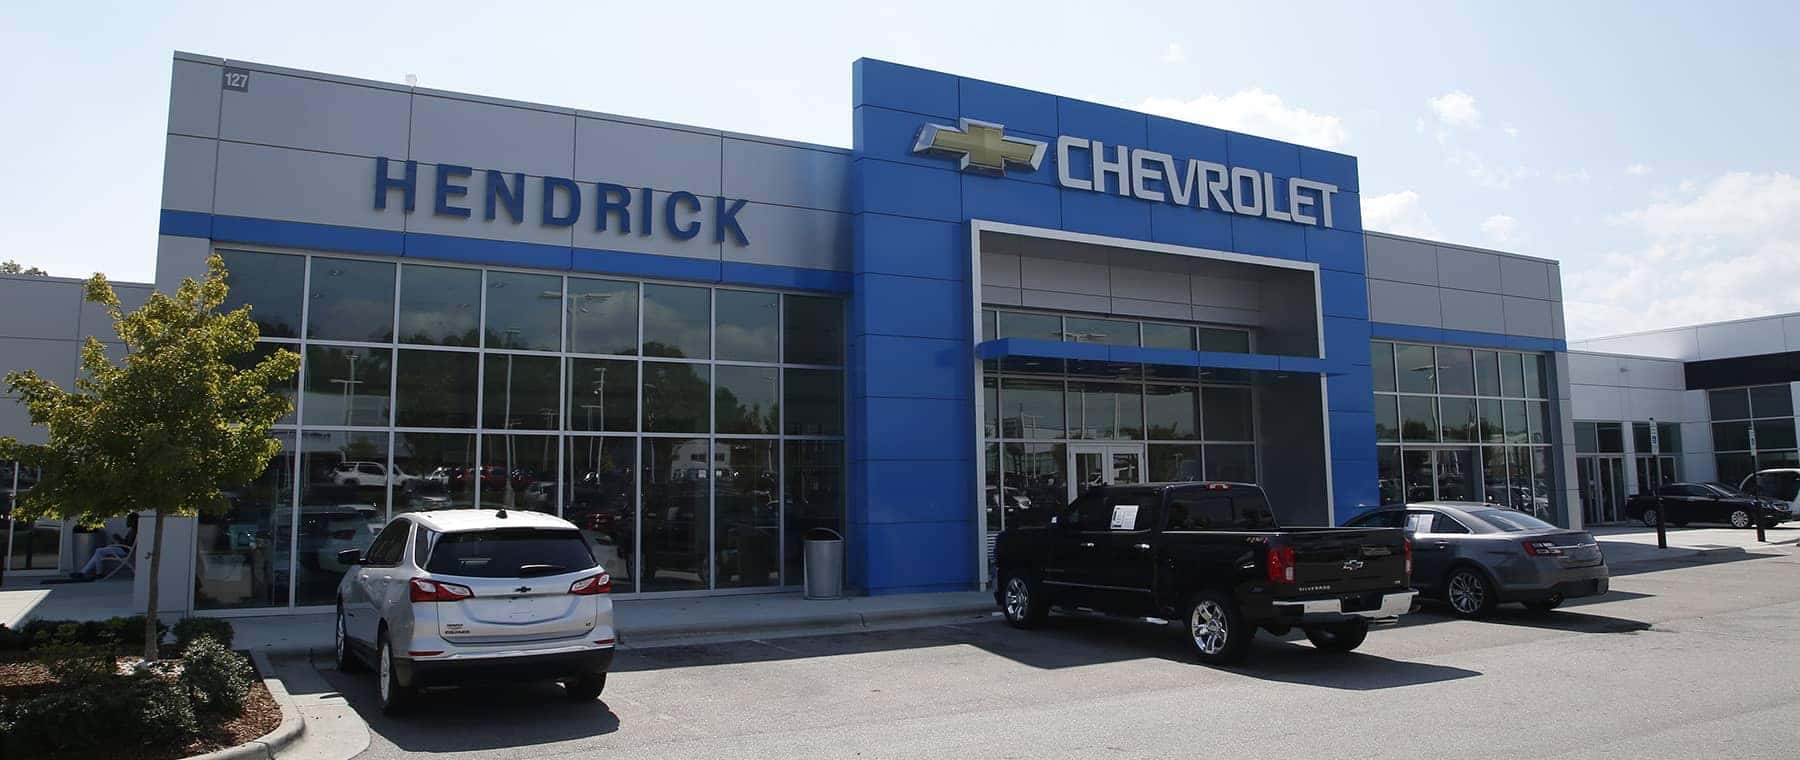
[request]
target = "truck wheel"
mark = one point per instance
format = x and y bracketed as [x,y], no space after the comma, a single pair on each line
[1217,629]
[1338,637]
[1469,593]
[1649,518]
[1023,602]
[586,688]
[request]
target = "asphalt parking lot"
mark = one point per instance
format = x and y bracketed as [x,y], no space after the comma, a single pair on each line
[1682,660]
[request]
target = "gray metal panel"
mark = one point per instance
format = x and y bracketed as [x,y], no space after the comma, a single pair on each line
[1404,304]
[1148,284]
[486,136]
[1596,402]
[188,164]
[1594,369]
[1747,338]
[1063,275]
[194,91]
[1051,299]
[997,296]
[1463,310]
[1527,316]
[793,237]
[659,241]
[1400,260]
[641,156]
[304,186]
[1524,277]
[1468,270]
[33,307]
[1152,309]
[1558,329]
[1790,326]
[1556,293]
[53,360]
[179,257]
[1000,269]
[296,112]
[1205,290]
[788,175]
[424,218]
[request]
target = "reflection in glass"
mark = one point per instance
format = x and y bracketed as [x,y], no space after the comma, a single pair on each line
[813,401]
[1456,372]
[745,400]
[1233,462]
[1416,469]
[1387,475]
[677,517]
[1775,434]
[351,300]
[1014,324]
[270,284]
[1458,475]
[440,306]
[1540,482]
[1112,332]
[813,330]
[1226,413]
[996,494]
[1729,404]
[1516,426]
[1538,421]
[1493,430]
[748,326]
[1178,337]
[1038,471]
[523,311]
[1030,408]
[990,406]
[1418,418]
[599,497]
[518,472]
[747,539]
[435,389]
[603,316]
[1518,471]
[815,498]
[602,394]
[443,470]
[1171,412]
[1533,368]
[519,392]
[1487,373]
[1493,469]
[343,504]
[236,559]
[1387,419]
[1381,356]
[347,386]
[677,321]
[1417,368]
[675,397]
[1224,341]
[1771,401]
[988,330]
[1512,375]
[1459,421]
[1174,463]
[1105,411]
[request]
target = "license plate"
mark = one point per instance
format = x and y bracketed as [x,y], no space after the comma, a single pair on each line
[1361,602]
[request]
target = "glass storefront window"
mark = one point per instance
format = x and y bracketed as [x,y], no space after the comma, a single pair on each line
[236,562]
[1387,475]
[748,525]
[270,284]
[440,306]
[1179,337]
[1031,408]
[812,330]
[442,466]
[351,300]
[990,407]
[1226,413]
[744,400]
[1014,324]
[518,472]
[524,312]
[602,395]
[677,321]
[1456,372]
[1512,375]
[677,518]
[1171,412]
[603,316]
[1417,368]
[1772,401]
[1172,463]
[1729,404]
[1533,367]
[347,386]
[1493,426]
[1387,418]
[748,326]
[599,497]
[1381,356]
[814,481]
[343,504]
[1487,373]
[1537,419]
[1775,434]
[676,397]
[520,392]
[813,401]
[1232,462]
[1105,411]
[1459,422]
[1040,472]
[1225,341]
[436,389]
[1418,418]
[1112,332]
[1517,429]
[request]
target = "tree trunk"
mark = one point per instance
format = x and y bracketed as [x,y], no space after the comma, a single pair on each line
[152,641]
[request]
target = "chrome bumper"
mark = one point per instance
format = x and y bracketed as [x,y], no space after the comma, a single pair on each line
[1392,605]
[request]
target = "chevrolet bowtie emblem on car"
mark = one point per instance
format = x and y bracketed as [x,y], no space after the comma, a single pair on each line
[522,589]
[982,145]
[1353,565]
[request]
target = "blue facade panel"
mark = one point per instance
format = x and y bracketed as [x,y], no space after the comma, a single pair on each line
[904,245]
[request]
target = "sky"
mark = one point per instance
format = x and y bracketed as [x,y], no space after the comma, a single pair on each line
[1648,146]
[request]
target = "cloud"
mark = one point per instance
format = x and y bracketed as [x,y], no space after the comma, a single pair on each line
[1256,112]
[1456,108]
[1571,176]
[1637,170]
[1400,213]
[1174,53]
[1487,173]
[1718,250]
[1499,227]
[1510,130]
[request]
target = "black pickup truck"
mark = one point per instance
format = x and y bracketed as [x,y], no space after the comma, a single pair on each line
[1211,556]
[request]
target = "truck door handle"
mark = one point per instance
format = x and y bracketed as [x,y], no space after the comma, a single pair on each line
[1141,547]
[1442,544]
[1087,544]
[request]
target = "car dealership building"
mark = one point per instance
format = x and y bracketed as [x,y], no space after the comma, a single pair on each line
[701,347]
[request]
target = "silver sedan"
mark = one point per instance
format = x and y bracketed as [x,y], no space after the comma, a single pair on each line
[1475,556]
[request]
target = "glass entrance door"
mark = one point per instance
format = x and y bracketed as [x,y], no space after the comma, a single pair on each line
[1093,464]
[1602,481]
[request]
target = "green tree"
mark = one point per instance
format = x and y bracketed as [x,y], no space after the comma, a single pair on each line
[13,267]
[163,430]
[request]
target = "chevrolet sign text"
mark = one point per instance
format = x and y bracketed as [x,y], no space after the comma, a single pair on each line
[1158,177]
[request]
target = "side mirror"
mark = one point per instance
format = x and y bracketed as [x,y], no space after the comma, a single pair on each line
[350,556]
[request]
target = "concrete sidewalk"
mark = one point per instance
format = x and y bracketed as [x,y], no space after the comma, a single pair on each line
[1631,545]
[644,623]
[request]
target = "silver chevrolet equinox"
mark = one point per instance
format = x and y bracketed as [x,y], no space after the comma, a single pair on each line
[464,595]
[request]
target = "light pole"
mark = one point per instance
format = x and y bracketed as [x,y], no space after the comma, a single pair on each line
[349,385]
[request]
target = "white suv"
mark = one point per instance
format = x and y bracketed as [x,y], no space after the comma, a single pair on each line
[463,595]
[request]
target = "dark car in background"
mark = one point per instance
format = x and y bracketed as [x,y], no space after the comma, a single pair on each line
[1781,484]
[1475,556]
[1684,503]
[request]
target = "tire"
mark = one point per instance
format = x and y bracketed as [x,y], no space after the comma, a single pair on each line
[1338,638]
[1740,518]
[1469,593]
[1022,601]
[586,688]
[1649,518]
[347,661]
[1544,605]
[1217,630]
[395,698]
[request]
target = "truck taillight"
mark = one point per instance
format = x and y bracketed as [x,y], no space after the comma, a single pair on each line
[1281,564]
[593,584]
[1407,542]
[423,590]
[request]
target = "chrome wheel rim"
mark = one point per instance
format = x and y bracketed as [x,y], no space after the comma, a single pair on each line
[387,668]
[1018,598]
[1467,593]
[1207,625]
[1650,517]
[1740,519]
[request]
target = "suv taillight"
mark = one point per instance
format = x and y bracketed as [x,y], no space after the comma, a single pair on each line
[1281,564]
[423,590]
[1542,549]
[593,584]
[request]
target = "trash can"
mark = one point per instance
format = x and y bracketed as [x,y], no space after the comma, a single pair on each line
[81,546]
[824,564]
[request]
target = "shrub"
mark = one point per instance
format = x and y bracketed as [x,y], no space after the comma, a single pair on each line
[217,679]
[119,631]
[13,641]
[76,664]
[188,630]
[124,714]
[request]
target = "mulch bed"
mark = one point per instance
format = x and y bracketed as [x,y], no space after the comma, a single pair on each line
[23,680]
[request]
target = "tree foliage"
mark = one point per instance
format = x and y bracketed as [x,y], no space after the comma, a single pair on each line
[13,267]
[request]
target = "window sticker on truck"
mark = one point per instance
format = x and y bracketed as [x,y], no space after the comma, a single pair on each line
[1124,517]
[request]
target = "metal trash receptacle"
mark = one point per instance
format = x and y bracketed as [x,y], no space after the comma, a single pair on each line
[82,545]
[824,569]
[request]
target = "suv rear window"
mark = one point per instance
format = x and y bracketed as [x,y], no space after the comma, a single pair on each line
[510,553]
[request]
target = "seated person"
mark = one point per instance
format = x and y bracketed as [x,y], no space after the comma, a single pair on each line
[118,549]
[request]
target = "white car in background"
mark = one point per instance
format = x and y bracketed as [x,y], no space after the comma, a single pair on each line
[367,475]
[462,596]
[1779,484]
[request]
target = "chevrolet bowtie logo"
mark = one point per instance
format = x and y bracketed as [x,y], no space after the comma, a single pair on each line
[982,145]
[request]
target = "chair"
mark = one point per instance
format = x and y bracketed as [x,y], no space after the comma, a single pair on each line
[120,563]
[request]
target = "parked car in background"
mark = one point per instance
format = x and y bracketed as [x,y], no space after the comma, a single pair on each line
[1685,503]
[466,596]
[1474,556]
[1209,555]
[368,475]
[1781,485]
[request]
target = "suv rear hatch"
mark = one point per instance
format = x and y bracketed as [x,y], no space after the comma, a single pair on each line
[520,579]
[1346,560]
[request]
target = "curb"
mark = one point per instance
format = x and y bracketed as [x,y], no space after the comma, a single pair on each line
[267,746]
